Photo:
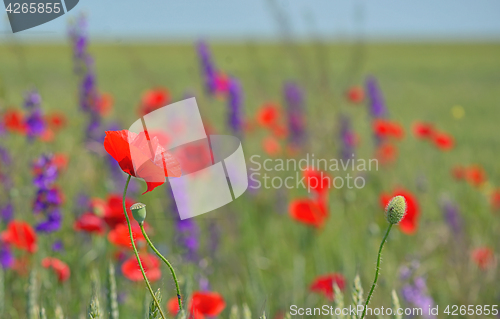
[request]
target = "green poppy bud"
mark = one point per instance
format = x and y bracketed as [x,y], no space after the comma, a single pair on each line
[139,212]
[396,209]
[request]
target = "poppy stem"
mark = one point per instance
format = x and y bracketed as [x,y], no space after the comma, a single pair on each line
[135,249]
[377,270]
[166,262]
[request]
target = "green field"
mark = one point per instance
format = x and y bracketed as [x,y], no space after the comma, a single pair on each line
[265,259]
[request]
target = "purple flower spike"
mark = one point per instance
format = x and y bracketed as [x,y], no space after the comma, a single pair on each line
[376,98]
[32,100]
[207,66]
[295,110]
[235,103]
[347,138]
[6,256]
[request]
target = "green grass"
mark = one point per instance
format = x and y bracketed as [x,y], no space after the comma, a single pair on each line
[265,259]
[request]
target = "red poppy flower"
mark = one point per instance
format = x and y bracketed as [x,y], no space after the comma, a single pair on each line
[119,236]
[113,210]
[268,114]
[221,84]
[458,172]
[475,175]
[153,100]
[280,131]
[141,157]
[355,94]
[130,268]
[386,153]
[308,211]
[483,257]
[60,160]
[104,104]
[21,235]
[409,223]
[56,121]
[203,303]
[324,284]
[13,121]
[385,128]
[443,141]
[271,146]
[47,135]
[495,199]
[317,181]
[423,130]
[90,223]
[61,269]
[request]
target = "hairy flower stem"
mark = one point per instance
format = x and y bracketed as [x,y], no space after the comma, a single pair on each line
[166,262]
[135,249]
[377,270]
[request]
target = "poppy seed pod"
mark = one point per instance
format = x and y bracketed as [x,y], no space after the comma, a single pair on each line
[139,212]
[396,209]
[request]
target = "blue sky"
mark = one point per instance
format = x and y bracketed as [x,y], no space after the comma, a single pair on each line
[123,20]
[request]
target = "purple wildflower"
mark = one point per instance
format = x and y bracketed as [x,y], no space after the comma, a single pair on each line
[207,66]
[48,198]
[187,232]
[5,156]
[347,138]
[452,216]
[235,104]
[376,98]
[6,213]
[32,100]
[58,246]
[416,292]
[34,119]
[295,110]
[6,256]
[84,68]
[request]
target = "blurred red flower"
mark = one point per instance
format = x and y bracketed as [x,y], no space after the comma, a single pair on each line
[495,199]
[113,211]
[132,271]
[385,128]
[56,121]
[317,181]
[458,172]
[90,223]
[61,269]
[386,153]
[268,114]
[202,303]
[324,284]
[119,236]
[483,257]
[423,130]
[443,141]
[13,121]
[104,104]
[409,223]
[153,100]
[355,94]
[60,160]
[475,175]
[308,211]
[124,146]
[271,146]
[221,84]
[21,235]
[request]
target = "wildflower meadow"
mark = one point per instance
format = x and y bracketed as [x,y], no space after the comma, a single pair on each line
[373,180]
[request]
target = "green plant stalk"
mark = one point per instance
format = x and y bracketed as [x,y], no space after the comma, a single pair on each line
[377,270]
[135,249]
[166,262]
